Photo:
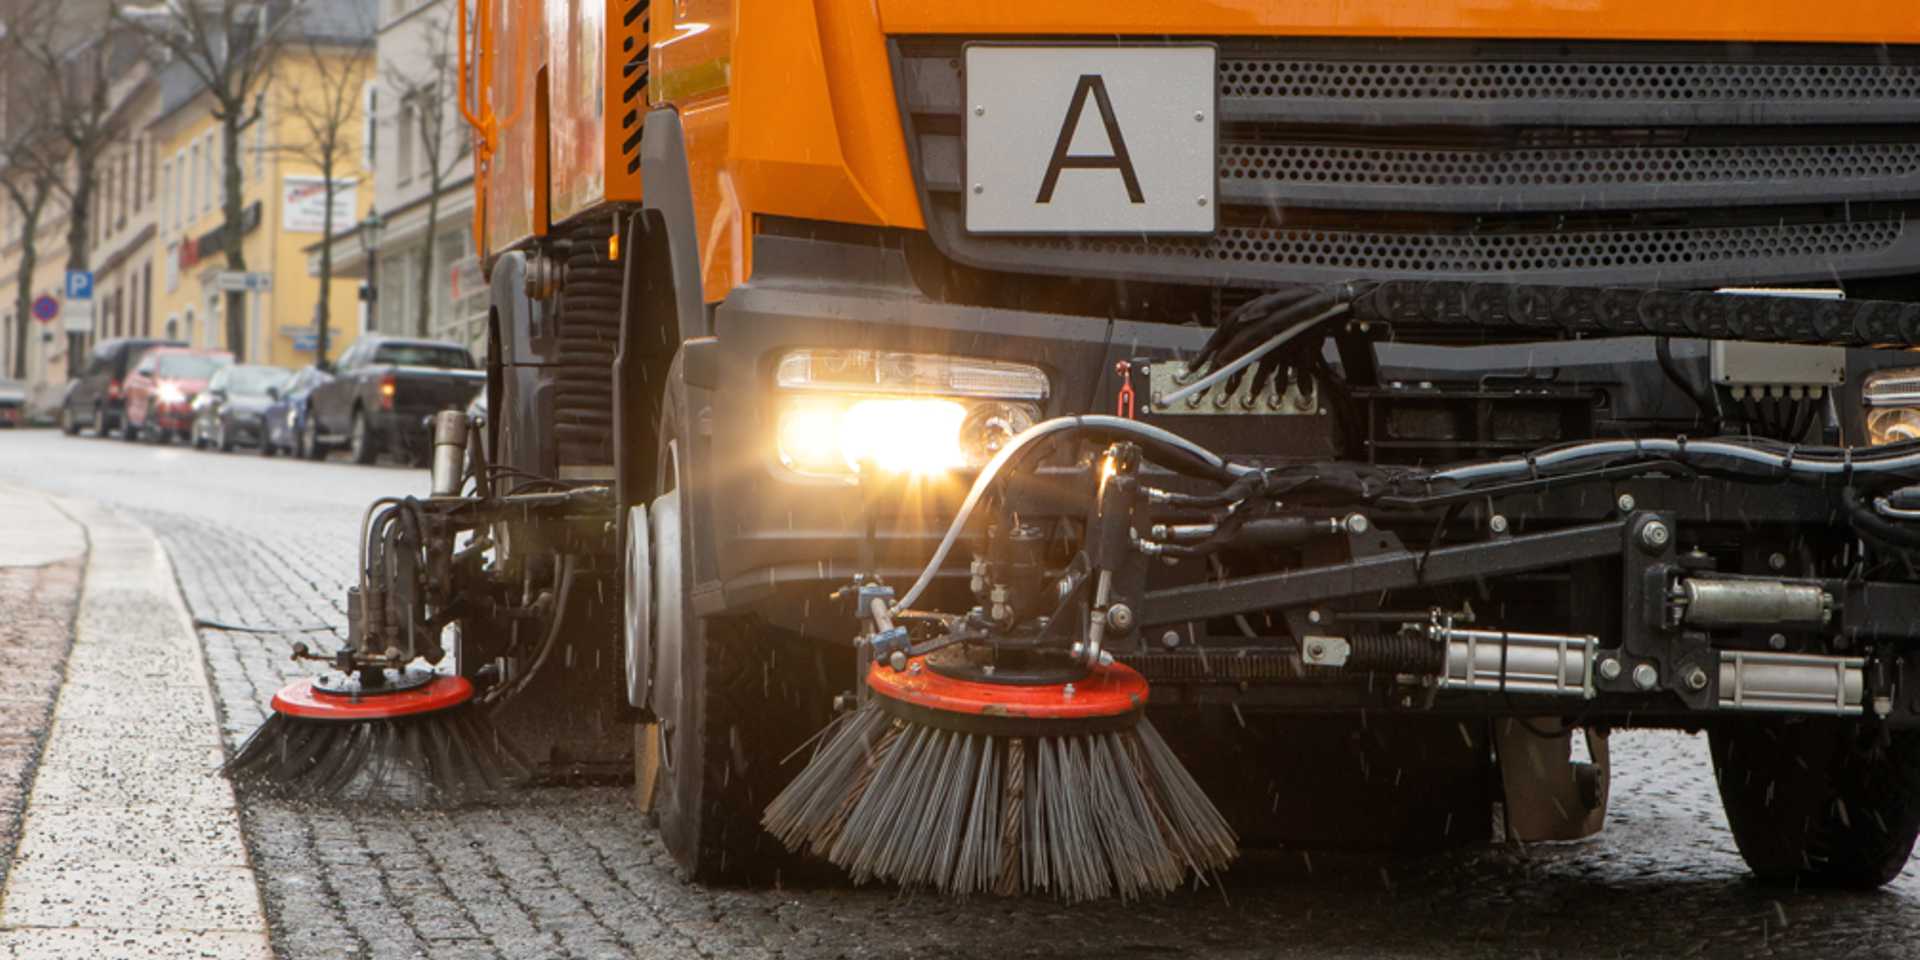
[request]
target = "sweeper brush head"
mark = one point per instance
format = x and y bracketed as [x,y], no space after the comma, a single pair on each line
[423,747]
[968,787]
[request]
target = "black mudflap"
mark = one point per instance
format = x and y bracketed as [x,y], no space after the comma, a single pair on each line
[1383,784]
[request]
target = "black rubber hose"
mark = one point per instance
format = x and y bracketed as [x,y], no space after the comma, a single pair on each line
[1875,527]
[1708,403]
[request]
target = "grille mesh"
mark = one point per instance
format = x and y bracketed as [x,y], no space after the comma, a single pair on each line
[1501,254]
[1302,164]
[1564,80]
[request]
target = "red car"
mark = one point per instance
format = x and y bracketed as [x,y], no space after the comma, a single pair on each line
[161,389]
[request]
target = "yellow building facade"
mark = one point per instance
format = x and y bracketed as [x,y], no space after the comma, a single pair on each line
[283,200]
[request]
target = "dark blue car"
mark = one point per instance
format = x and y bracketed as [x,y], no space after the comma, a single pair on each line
[288,427]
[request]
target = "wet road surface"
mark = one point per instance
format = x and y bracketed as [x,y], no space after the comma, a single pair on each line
[577,872]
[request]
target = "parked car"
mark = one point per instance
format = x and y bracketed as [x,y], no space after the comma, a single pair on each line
[381,392]
[13,403]
[160,391]
[287,413]
[232,411]
[97,397]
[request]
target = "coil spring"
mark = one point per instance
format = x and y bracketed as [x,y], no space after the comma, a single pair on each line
[1395,653]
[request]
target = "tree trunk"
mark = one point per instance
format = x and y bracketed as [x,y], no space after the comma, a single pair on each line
[424,324]
[79,225]
[23,294]
[323,312]
[234,234]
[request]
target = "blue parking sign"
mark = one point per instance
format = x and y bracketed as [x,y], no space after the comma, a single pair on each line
[79,285]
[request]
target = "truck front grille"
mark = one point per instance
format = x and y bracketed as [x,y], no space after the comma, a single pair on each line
[1587,163]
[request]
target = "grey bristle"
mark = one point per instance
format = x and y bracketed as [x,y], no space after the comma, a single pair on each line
[441,759]
[1075,817]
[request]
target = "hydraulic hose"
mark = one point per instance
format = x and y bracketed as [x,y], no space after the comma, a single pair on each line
[1163,441]
[1252,356]
[1789,461]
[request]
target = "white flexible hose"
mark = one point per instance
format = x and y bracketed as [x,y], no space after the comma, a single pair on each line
[1253,356]
[1028,438]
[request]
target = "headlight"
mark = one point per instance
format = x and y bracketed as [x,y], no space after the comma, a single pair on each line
[169,394]
[903,412]
[1893,406]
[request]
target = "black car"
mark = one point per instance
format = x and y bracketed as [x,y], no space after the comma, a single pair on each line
[233,409]
[382,390]
[96,398]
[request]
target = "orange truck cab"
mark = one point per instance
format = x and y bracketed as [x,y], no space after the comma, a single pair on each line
[786,276]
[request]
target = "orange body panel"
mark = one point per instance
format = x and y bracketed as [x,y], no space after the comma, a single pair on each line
[788,106]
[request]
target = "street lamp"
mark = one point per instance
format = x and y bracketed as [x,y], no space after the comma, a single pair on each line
[371,227]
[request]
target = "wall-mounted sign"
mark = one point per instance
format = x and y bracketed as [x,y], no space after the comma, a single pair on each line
[303,204]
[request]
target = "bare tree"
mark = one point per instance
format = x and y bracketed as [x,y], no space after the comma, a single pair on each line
[67,54]
[229,46]
[323,118]
[70,58]
[426,88]
[29,179]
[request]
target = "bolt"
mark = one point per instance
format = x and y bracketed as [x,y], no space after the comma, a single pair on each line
[979,188]
[898,661]
[979,111]
[1106,659]
[1654,536]
[1610,668]
[1068,692]
[1497,523]
[1078,650]
[1625,503]
[1170,639]
[1316,650]
[1778,561]
[1313,616]
[1778,641]
[1357,523]
[1696,679]
[1645,676]
[1120,617]
[987,670]
[1199,116]
[842,703]
[1202,201]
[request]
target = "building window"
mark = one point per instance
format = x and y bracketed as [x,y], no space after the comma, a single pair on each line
[406,135]
[193,190]
[173,328]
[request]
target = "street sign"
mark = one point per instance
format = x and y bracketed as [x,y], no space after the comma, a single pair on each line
[77,316]
[45,308]
[306,343]
[232,280]
[79,285]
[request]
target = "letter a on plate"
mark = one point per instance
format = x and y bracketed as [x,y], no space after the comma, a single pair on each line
[1089,139]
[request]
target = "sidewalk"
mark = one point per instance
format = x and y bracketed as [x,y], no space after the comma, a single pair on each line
[130,841]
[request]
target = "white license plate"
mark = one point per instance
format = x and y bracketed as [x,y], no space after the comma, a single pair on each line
[1090,139]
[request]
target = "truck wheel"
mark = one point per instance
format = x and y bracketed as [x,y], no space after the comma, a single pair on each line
[1819,802]
[733,700]
[365,448]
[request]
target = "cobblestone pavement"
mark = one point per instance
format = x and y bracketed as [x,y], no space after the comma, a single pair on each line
[576,872]
[38,598]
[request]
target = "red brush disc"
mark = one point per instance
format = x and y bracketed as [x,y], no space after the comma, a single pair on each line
[302,699]
[1105,693]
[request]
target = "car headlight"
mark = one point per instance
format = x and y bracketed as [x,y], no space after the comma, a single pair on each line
[903,412]
[1893,406]
[169,394]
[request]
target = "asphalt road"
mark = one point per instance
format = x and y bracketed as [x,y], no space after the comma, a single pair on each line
[577,872]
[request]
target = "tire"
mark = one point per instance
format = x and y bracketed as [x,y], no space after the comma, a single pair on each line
[221,441]
[734,699]
[306,443]
[266,442]
[128,431]
[1819,802]
[364,447]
